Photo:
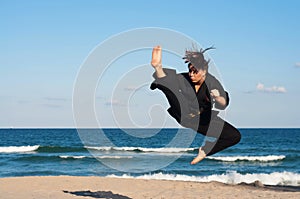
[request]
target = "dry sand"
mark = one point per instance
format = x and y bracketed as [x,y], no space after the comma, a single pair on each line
[116,188]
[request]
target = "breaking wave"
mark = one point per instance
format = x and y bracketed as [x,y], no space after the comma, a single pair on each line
[98,157]
[232,177]
[142,149]
[267,158]
[18,149]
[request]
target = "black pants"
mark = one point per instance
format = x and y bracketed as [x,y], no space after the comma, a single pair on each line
[226,135]
[207,124]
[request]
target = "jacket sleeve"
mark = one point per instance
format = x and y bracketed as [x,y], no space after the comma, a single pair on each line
[169,85]
[169,81]
[215,84]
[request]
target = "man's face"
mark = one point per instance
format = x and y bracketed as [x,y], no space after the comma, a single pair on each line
[196,75]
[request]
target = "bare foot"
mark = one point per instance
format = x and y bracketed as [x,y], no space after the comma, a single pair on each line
[201,155]
[156,57]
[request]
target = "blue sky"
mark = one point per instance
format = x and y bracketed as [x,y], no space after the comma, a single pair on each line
[44,44]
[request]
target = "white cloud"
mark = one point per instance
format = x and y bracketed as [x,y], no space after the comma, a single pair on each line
[260,87]
[297,65]
[114,103]
[130,88]
[273,89]
[56,99]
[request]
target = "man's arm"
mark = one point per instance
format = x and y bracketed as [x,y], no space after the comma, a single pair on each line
[218,93]
[218,98]
[156,62]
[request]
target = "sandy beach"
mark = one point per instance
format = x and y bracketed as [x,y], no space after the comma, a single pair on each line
[121,188]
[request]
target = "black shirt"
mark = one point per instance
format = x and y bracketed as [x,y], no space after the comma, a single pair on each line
[183,98]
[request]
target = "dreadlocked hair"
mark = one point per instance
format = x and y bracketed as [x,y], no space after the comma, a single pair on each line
[196,58]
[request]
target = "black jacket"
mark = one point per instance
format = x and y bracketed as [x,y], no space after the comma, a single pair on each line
[188,102]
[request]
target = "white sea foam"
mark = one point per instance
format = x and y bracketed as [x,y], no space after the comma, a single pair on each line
[267,158]
[232,177]
[105,148]
[114,157]
[18,149]
[142,149]
[99,157]
[73,157]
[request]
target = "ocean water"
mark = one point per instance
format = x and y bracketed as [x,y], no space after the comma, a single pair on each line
[271,156]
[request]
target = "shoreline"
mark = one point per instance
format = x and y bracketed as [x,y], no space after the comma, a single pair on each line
[124,188]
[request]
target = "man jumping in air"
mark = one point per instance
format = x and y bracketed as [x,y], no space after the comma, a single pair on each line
[192,96]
